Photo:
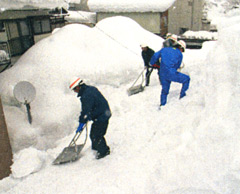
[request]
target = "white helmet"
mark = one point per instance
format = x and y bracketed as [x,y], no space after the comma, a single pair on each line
[182,44]
[168,35]
[76,81]
[143,45]
[173,37]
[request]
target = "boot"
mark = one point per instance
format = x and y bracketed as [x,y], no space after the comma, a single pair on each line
[102,155]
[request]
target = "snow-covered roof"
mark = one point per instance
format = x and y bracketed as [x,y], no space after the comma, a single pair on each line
[201,35]
[16,4]
[95,5]
[81,17]
[128,5]
[116,7]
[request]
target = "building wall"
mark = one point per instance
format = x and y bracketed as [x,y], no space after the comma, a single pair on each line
[185,15]
[37,38]
[164,23]
[5,148]
[149,20]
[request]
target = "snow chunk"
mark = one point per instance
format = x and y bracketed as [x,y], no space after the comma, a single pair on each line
[24,165]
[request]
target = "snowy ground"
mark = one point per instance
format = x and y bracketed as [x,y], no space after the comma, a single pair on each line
[191,146]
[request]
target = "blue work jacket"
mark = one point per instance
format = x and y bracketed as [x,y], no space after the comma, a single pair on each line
[171,59]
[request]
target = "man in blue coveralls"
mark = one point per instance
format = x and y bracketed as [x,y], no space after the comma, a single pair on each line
[171,59]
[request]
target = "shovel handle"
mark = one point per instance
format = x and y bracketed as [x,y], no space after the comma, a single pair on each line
[141,74]
[76,136]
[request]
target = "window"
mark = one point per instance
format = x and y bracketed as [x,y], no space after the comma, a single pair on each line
[41,26]
[24,28]
[12,30]
[46,25]
[37,27]
[2,29]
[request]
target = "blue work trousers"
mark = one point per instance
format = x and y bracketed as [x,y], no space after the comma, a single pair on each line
[166,82]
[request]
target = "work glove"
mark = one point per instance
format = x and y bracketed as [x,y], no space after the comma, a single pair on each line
[155,66]
[80,127]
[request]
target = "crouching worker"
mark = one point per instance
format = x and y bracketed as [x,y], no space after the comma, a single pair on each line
[147,53]
[171,59]
[94,108]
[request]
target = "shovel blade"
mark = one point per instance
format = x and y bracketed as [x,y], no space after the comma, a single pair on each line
[69,154]
[135,90]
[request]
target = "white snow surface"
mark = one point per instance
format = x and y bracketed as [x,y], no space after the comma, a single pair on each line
[15,4]
[95,5]
[130,5]
[190,146]
[24,165]
[201,35]
[81,16]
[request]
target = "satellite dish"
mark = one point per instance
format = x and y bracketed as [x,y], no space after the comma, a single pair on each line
[24,92]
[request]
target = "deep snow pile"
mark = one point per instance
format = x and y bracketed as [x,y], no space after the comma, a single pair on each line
[219,8]
[190,146]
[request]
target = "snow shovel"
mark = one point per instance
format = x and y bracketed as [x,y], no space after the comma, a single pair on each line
[72,152]
[138,88]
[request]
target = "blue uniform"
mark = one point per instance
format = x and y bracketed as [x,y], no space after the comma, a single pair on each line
[171,59]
